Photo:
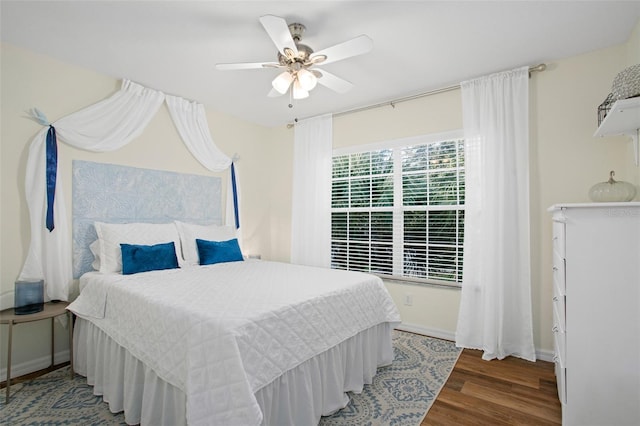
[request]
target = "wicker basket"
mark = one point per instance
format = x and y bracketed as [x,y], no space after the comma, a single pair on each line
[627,83]
[605,107]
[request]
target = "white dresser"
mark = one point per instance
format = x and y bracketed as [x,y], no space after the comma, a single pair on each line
[596,309]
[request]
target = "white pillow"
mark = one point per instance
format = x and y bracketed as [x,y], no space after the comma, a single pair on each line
[111,235]
[95,251]
[189,232]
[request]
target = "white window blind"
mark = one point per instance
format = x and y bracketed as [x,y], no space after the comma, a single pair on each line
[399,210]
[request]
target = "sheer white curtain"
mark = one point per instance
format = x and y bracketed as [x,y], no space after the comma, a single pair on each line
[104,126]
[311,199]
[191,121]
[495,305]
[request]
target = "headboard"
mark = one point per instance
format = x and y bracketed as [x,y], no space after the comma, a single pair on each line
[122,194]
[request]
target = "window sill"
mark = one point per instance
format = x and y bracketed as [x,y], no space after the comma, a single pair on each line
[420,283]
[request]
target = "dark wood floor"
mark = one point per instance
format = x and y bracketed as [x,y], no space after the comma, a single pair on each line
[507,392]
[31,376]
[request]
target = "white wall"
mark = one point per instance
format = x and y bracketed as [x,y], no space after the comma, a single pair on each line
[565,161]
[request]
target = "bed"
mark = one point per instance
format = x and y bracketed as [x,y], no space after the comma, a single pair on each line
[235,342]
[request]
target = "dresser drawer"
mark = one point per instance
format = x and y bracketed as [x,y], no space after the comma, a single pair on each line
[559,275]
[559,234]
[559,319]
[560,344]
[559,309]
[561,380]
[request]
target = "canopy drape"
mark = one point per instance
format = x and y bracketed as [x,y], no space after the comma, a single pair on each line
[104,126]
[495,306]
[191,121]
[311,198]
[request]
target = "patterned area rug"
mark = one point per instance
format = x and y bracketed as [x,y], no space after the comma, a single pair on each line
[401,394]
[54,399]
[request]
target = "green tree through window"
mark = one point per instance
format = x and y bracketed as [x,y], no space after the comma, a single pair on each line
[399,211]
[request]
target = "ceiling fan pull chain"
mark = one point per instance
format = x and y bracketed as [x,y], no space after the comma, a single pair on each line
[291,96]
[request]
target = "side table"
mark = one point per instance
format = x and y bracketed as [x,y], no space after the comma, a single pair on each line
[51,310]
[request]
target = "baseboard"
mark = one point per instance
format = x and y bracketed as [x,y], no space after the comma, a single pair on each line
[541,354]
[30,366]
[432,332]
[544,355]
[21,369]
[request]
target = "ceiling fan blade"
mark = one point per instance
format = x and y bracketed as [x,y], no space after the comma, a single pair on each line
[278,30]
[246,66]
[273,93]
[354,47]
[334,82]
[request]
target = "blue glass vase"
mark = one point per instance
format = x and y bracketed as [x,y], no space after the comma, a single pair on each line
[29,297]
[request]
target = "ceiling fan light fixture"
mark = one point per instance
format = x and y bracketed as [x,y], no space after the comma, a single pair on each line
[282,82]
[316,59]
[289,53]
[298,91]
[307,80]
[298,60]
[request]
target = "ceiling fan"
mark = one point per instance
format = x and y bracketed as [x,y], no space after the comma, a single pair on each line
[298,61]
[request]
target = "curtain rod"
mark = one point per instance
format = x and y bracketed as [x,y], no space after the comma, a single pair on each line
[536,68]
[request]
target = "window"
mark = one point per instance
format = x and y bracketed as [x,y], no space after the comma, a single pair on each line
[397,209]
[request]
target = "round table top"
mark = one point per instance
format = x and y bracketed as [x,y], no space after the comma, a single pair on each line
[51,309]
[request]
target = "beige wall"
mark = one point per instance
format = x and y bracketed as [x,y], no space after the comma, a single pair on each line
[565,161]
[633,46]
[58,89]
[434,310]
[633,58]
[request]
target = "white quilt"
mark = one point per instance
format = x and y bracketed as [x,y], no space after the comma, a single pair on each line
[222,332]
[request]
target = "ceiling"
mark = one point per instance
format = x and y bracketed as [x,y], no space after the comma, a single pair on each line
[419,46]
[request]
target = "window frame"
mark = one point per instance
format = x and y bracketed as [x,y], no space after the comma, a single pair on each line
[398,207]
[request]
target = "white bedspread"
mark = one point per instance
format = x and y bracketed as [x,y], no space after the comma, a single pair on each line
[222,332]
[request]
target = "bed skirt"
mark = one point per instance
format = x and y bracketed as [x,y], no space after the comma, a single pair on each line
[298,397]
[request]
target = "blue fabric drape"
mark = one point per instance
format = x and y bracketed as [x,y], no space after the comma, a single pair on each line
[52,169]
[235,195]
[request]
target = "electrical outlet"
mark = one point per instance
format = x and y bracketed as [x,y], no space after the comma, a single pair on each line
[408,299]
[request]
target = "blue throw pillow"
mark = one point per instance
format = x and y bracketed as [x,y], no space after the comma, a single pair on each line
[211,252]
[136,258]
